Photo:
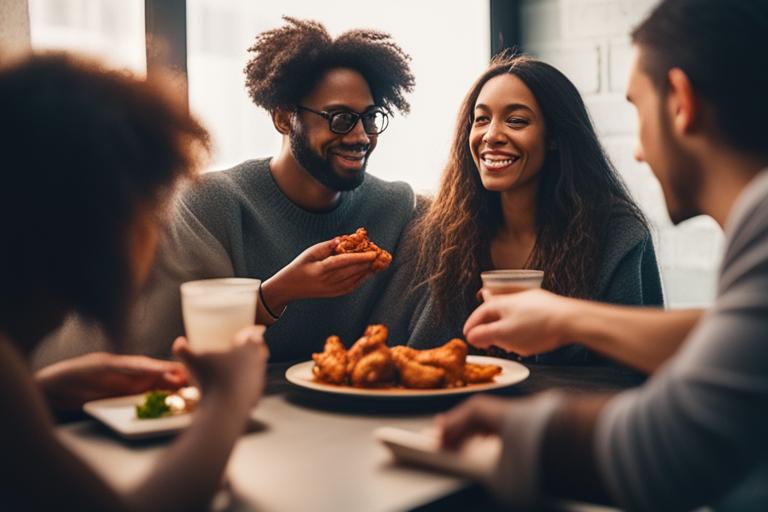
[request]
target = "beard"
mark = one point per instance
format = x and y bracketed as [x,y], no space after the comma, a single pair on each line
[681,181]
[321,168]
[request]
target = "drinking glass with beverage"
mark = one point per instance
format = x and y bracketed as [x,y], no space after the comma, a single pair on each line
[498,282]
[214,310]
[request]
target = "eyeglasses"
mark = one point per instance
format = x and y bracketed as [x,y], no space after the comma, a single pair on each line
[343,121]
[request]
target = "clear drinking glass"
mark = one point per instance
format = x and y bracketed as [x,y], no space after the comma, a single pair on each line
[497,282]
[215,309]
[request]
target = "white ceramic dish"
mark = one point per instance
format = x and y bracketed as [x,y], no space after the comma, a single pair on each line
[512,372]
[119,414]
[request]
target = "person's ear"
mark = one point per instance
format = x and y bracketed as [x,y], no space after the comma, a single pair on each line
[681,101]
[281,119]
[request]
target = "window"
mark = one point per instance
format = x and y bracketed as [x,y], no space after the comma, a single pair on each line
[110,30]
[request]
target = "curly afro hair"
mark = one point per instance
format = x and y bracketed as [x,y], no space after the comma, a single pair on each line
[289,61]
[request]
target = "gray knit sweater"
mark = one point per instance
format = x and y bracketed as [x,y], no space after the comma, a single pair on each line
[239,223]
[628,274]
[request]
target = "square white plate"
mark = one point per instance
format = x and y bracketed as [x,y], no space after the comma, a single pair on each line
[119,414]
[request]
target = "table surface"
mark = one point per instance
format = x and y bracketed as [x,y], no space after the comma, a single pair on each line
[312,450]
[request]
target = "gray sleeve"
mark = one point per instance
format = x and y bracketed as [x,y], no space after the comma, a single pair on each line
[636,280]
[698,426]
[188,251]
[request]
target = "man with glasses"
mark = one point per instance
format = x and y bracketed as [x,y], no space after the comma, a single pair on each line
[276,219]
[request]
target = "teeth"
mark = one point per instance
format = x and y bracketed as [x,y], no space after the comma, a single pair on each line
[497,164]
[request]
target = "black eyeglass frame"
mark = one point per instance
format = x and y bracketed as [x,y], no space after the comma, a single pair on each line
[358,116]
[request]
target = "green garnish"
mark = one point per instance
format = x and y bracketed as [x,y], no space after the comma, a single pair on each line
[153,406]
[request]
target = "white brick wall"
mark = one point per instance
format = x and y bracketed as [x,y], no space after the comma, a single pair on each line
[589,41]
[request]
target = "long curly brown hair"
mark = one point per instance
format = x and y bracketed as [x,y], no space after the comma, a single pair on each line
[578,189]
[288,62]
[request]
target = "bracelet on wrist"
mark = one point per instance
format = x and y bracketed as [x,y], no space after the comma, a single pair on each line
[267,308]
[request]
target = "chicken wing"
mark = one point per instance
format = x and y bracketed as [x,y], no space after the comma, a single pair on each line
[374,369]
[451,357]
[375,336]
[414,374]
[479,373]
[359,242]
[331,364]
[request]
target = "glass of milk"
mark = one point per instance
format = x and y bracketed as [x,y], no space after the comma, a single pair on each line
[215,309]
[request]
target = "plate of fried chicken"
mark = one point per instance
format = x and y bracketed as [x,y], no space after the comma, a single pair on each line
[372,368]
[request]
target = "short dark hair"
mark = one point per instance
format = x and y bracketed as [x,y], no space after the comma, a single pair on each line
[718,45]
[289,61]
[84,150]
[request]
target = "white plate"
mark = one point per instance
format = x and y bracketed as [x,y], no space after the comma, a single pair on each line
[119,414]
[512,372]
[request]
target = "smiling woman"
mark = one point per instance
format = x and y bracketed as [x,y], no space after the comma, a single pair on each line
[527,186]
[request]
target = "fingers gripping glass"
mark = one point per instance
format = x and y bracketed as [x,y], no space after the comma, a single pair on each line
[343,121]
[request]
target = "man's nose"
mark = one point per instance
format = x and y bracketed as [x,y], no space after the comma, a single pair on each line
[357,134]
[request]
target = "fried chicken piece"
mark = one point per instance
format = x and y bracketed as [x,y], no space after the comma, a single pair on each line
[480,373]
[375,337]
[374,369]
[359,242]
[414,374]
[331,364]
[451,357]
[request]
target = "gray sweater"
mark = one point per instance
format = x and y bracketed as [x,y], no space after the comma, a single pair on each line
[697,429]
[239,223]
[628,274]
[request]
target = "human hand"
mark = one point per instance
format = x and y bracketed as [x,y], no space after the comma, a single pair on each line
[479,415]
[237,375]
[68,384]
[318,272]
[526,323]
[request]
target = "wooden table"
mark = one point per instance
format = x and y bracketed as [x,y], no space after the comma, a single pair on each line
[316,452]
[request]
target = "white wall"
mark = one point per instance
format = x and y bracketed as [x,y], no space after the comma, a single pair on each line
[589,41]
[14,27]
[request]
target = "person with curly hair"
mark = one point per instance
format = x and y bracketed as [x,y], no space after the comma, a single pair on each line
[90,159]
[277,218]
[527,186]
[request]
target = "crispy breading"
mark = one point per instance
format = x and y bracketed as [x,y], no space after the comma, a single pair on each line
[375,336]
[451,357]
[416,375]
[374,369]
[331,364]
[370,363]
[359,242]
[480,373]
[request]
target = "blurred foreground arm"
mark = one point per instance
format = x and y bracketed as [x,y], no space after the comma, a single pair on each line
[40,473]
[539,321]
[68,384]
